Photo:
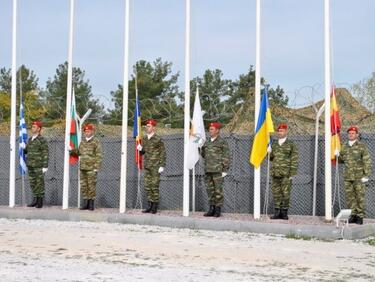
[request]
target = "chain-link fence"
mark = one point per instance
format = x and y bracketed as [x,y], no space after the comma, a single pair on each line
[238,185]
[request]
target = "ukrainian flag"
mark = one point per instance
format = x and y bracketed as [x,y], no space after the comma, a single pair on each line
[262,132]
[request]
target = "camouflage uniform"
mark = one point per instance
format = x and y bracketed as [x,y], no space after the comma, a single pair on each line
[357,164]
[37,159]
[216,158]
[154,158]
[90,153]
[284,160]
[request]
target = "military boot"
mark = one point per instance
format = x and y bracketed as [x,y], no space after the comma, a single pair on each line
[211,211]
[277,214]
[39,203]
[148,210]
[353,218]
[85,205]
[359,220]
[91,204]
[154,208]
[217,212]
[33,203]
[284,214]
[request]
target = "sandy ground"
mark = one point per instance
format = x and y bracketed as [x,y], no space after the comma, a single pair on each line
[36,250]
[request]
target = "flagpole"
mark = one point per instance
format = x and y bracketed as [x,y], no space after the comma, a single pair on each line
[257,105]
[79,137]
[316,150]
[327,117]
[193,191]
[23,200]
[68,109]
[266,194]
[138,155]
[12,164]
[193,170]
[186,192]
[125,105]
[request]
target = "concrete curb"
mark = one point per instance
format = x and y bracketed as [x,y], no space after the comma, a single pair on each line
[324,232]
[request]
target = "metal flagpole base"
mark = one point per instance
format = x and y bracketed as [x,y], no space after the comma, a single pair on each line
[139,192]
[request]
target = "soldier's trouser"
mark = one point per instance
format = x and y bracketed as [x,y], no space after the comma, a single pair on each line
[88,184]
[36,179]
[152,181]
[355,196]
[281,192]
[214,188]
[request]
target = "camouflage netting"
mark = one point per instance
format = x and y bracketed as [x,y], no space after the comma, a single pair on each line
[302,121]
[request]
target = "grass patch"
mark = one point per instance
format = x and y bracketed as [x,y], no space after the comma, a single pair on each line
[371,242]
[298,237]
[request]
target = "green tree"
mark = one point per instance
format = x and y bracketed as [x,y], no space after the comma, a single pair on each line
[222,98]
[364,91]
[277,96]
[29,81]
[55,94]
[214,92]
[245,87]
[157,90]
[4,106]
[34,107]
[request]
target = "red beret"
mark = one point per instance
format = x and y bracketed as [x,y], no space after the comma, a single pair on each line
[282,126]
[217,125]
[151,122]
[88,126]
[37,123]
[353,128]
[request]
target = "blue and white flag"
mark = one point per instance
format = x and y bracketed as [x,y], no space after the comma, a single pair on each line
[22,141]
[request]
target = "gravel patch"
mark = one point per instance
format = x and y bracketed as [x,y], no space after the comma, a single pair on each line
[37,250]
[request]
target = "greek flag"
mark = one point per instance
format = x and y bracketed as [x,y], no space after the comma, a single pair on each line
[22,141]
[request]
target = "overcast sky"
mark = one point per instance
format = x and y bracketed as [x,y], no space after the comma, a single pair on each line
[223,36]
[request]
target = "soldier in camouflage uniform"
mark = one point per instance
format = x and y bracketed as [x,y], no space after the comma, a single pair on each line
[153,152]
[284,158]
[216,157]
[357,170]
[37,163]
[90,160]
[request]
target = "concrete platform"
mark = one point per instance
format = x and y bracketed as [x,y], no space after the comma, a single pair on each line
[296,226]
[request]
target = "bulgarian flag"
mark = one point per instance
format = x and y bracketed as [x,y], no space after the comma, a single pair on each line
[335,126]
[73,131]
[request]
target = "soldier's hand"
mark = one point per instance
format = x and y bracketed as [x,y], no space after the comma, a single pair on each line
[44,169]
[161,169]
[200,142]
[269,150]
[23,145]
[337,153]
[139,147]
[95,170]
[223,174]
[364,179]
[290,178]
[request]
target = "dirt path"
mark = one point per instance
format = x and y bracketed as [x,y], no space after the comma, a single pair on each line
[81,251]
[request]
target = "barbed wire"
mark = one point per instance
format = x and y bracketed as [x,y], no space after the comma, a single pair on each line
[302,104]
